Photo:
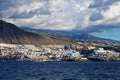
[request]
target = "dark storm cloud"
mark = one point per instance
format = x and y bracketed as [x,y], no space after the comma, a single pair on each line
[40,11]
[96,17]
[102,3]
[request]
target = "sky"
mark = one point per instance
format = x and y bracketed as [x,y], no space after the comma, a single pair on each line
[99,17]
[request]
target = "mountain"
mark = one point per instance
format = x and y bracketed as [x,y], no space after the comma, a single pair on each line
[90,37]
[72,35]
[10,33]
[87,37]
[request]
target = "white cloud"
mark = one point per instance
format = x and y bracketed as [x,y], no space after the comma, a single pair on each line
[113,11]
[61,14]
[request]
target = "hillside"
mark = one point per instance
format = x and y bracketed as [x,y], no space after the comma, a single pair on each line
[91,37]
[76,35]
[10,33]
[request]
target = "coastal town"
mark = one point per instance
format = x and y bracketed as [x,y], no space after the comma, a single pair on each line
[80,51]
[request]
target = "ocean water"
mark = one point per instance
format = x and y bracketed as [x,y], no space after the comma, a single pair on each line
[59,70]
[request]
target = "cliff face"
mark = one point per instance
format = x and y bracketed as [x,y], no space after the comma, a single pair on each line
[10,33]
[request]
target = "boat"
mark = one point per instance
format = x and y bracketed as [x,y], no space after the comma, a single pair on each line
[95,59]
[97,55]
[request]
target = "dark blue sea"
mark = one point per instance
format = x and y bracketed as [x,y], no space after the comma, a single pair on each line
[59,70]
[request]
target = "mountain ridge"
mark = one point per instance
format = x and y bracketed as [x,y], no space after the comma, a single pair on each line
[71,35]
[10,33]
